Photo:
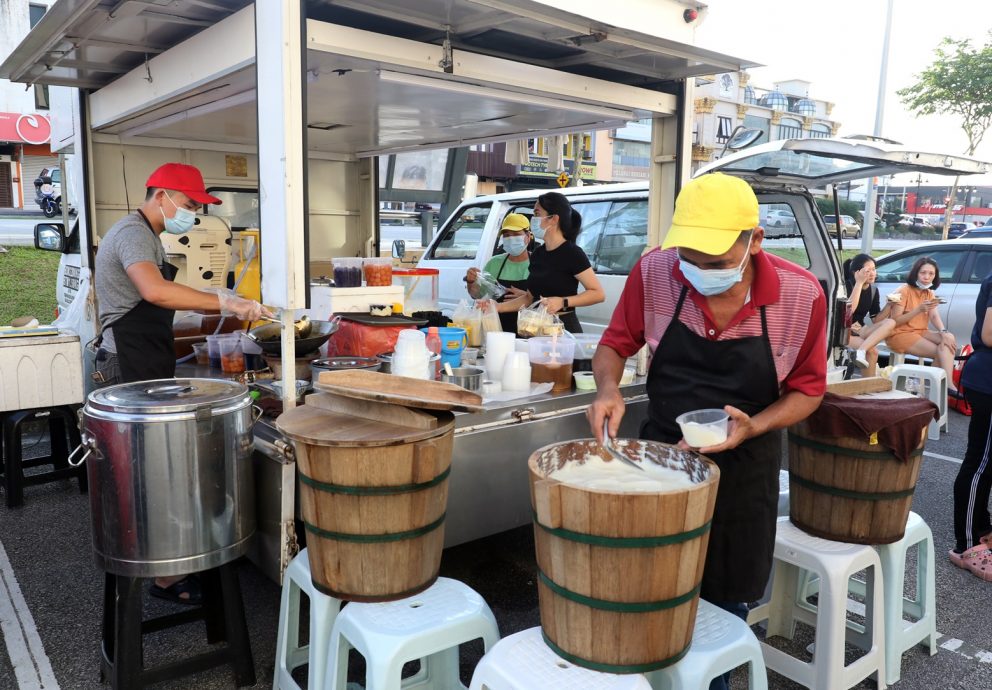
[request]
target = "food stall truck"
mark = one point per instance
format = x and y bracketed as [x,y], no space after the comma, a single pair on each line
[287,107]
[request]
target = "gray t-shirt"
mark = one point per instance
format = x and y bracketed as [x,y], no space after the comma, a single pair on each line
[129,241]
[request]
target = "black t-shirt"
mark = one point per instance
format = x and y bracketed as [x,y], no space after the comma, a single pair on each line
[552,273]
[868,304]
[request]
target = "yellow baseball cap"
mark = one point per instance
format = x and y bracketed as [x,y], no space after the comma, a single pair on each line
[515,222]
[710,214]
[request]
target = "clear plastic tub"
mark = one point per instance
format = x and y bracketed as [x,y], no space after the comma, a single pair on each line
[551,361]
[378,271]
[704,428]
[347,272]
[420,288]
[232,358]
[202,354]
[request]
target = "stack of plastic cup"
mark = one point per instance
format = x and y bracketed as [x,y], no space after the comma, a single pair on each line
[411,357]
[516,372]
[498,346]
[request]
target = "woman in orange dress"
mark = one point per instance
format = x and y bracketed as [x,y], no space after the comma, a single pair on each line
[915,312]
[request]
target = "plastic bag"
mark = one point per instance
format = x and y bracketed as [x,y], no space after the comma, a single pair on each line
[488,287]
[490,317]
[469,317]
[536,320]
[80,309]
[359,340]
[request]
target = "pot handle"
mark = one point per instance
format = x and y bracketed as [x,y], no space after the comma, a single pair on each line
[88,444]
[256,414]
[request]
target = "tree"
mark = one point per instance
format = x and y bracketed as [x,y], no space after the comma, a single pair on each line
[958,82]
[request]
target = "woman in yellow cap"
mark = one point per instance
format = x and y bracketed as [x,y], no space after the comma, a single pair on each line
[511,269]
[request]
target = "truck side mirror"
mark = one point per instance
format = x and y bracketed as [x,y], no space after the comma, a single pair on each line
[399,249]
[49,236]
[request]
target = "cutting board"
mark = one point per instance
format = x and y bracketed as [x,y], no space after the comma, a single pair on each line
[399,390]
[367,319]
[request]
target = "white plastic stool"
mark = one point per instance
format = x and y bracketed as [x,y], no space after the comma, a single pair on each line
[834,563]
[720,642]
[896,358]
[523,661]
[901,635]
[428,626]
[936,391]
[323,611]
[783,493]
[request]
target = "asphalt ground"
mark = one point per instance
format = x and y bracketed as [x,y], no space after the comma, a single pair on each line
[47,542]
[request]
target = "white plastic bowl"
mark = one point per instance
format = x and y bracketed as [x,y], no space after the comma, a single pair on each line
[704,428]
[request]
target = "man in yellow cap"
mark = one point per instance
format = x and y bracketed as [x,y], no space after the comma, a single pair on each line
[731,327]
[510,269]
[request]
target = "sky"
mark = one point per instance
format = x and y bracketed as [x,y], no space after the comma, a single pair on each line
[837,45]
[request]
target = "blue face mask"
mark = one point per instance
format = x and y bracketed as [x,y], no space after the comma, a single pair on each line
[180,223]
[714,281]
[514,246]
[535,227]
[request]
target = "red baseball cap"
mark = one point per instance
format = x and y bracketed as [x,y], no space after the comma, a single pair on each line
[178,177]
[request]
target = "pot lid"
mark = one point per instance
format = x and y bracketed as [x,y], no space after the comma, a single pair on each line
[168,395]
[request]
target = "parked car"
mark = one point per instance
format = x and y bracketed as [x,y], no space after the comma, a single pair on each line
[848,226]
[780,218]
[963,265]
[913,224]
[957,229]
[977,233]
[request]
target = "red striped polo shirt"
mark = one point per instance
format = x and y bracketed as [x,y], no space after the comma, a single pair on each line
[795,309]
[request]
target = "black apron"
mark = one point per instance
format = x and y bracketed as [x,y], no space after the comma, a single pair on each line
[689,372]
[508,320]
[144,336]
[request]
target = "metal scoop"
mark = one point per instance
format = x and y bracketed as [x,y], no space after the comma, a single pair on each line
[614,453]
[303,327]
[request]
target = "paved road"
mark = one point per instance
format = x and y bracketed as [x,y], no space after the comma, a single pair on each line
[18,232]
[48,546]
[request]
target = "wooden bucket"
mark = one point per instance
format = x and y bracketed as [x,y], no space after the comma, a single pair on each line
[846,490]
[619,573]
[373,496]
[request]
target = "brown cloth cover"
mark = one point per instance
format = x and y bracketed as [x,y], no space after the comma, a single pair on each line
[898,423]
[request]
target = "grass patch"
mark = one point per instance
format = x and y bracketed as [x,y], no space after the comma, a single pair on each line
[27,284]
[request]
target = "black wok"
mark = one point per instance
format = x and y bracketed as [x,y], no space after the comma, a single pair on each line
[269,337]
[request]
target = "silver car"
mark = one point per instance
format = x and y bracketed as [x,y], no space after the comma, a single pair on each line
[963,265]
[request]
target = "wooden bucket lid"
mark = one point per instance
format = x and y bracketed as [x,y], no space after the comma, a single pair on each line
[399,390]
[323,427]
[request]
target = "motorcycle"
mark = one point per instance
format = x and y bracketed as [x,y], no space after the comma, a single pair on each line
[45,196]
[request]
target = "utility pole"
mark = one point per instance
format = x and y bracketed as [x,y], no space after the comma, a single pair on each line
[869,224]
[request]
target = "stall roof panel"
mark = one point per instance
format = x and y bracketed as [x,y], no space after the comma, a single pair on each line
[90,43]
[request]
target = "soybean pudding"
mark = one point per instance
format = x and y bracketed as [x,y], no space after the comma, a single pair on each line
[588,466]
[703,435]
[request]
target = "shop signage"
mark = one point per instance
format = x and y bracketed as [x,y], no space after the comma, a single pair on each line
[30,128]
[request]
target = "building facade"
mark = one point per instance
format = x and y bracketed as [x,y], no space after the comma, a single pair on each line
[25,129]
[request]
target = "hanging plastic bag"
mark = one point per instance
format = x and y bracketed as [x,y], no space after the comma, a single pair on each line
[490,317]
[467,316]
[536,320]
[488,286]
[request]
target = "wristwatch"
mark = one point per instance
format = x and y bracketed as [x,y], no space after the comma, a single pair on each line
[565,303]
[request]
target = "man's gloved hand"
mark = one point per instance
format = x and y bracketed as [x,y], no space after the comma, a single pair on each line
[244,309]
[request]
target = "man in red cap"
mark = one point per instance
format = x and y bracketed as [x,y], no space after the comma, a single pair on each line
[137,297]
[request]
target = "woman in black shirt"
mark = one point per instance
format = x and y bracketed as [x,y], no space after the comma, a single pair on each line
[559,266]
[863,301]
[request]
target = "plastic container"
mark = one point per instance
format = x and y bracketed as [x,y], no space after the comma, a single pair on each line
[202,354]
[232,358]
[378,271]
[470,355]
[516,372]
[551,361]
[703,428]
[420,288]
[584,381]
[410,342]
[347,272]
[213,349]
[498,346]
[433,342]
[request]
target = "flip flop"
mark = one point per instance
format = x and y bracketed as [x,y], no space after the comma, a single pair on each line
[977,560]
[189,585]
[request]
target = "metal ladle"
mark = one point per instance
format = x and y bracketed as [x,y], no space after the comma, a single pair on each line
[614,453]
[303,327]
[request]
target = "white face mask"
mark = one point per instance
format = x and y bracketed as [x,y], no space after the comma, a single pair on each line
[923,286]
[181,222]
[514,246]
[714,281]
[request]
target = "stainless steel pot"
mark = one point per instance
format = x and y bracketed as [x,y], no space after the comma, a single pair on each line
[343,363]
[170,475]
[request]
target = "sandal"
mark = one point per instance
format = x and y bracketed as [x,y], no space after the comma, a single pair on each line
[188,586]
[977,560]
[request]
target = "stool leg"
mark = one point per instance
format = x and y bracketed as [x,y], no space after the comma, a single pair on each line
[383,675]
[441,670]
[213,606]
[323,611]
[926,582]
[237,628]
[781,621]
[288,635]
[338,662]
[56,434]
[127,663]
[13,476]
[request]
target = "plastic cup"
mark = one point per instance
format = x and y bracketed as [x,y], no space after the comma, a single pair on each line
[470,355]
[704,428]
[213,350]
[202,354]
[232,359]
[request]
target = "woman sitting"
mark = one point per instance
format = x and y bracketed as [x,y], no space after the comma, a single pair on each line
[863,302]
[914,312]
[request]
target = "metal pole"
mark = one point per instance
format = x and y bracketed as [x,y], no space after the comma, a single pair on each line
[869,223]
